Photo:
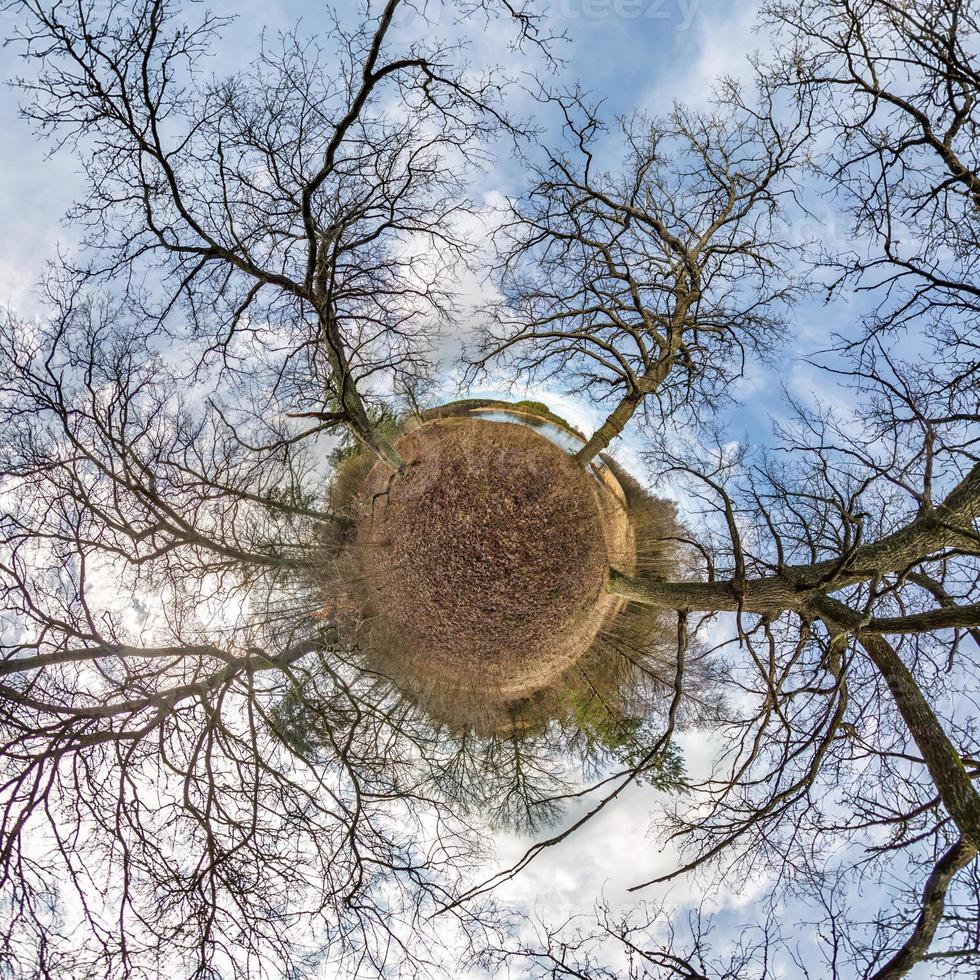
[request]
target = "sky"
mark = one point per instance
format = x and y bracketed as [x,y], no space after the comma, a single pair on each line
[631,53]
[634,54]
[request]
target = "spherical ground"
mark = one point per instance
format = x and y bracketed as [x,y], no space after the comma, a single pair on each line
[486,561]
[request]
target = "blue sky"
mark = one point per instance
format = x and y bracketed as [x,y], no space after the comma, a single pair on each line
[635,54]
[631,54]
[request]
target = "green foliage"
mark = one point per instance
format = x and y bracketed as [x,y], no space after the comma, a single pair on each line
[666,772]
[294,724]
[384,419]
[540,410]
[598,723]
[627,740]
[312,720]
[313,714]
[532,408]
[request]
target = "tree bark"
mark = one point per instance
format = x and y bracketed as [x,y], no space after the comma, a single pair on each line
[370,437]
[933,904]
[764,596]
[350,399]
[609,429]
[955,787]
[806,589]
[798,586]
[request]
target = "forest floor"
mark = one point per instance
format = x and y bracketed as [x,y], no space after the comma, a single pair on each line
[488,559]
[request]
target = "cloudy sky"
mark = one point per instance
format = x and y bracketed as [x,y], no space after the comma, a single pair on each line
[634,54]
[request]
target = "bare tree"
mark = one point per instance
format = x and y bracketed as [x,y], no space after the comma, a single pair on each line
[896,86]
[851,579]
[847,558]
[201,771]
[165,522]
[285,203]
[650,943]
[654,281]
[158,586]
[196,782]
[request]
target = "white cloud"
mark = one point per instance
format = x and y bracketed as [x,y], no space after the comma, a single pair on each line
[723,39]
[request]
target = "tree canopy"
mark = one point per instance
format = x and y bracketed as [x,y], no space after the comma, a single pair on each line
[230,493]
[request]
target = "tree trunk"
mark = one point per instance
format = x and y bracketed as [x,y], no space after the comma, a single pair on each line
[764,596]
[609,429]
[769,596]
[370,437]
[955,787]
[350,399]
[800,586]
[933,905]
